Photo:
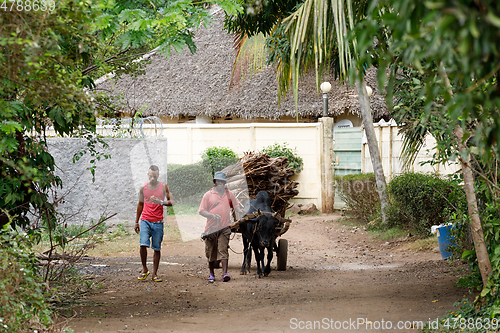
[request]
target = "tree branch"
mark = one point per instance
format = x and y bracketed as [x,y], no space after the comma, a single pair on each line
[83,232]
[94,67]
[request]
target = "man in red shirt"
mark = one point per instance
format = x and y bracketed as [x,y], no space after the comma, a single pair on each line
[152,197]
[216,207]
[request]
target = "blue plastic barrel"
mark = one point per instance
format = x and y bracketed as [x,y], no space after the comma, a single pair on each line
[445,240]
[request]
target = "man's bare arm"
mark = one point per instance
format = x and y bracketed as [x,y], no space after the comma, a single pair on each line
[167,194]
[140,207]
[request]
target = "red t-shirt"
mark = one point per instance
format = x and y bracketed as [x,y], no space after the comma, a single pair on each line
[215,204]
[152,212]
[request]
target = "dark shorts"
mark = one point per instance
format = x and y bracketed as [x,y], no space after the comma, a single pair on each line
[217,248]
[151,234]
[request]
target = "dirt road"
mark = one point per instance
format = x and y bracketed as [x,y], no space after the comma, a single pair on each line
[337,279]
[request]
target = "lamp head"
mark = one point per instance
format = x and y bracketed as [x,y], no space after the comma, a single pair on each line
[369,91]
[325,87]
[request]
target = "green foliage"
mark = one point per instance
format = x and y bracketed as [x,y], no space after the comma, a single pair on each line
[359,192]
[21,294]
[259,16]
[47,58]
[449,39]
[419,201]
[94,142]
[129,29]
[189,182]
[467,319]
[277,150]
[489,298]
[120,231]
[217,158]
[39,87]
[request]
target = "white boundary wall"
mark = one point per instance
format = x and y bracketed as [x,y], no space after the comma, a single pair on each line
[390,145]
[186,142]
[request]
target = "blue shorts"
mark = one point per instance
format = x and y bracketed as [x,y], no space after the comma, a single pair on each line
[153,231]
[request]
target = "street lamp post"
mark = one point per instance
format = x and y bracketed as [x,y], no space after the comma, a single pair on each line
[325,88]
[327,168]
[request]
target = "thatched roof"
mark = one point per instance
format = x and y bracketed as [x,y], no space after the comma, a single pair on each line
[198,84]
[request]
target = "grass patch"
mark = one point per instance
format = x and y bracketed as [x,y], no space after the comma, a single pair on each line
[183,209]
[424,244]
[351,222]
[114,245]
[121,240]
[171,233]
[387,234]
[378,233]
[129,242]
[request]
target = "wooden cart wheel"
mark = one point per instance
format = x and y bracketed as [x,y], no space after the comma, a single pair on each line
[282,254]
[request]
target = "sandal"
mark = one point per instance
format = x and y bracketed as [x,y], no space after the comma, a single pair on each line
[226,277]
[211,278]
[143,276]
[156,279]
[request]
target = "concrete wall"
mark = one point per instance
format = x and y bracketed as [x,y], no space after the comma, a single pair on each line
[390,146]
[117,180]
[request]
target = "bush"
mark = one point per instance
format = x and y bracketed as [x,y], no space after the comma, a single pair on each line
[418,201]
[21,296]
[189,182]
[217,158]
[277,150]
[359,192]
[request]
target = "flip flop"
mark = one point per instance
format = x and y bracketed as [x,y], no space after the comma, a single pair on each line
[156,279]
[143,276]
[226,277]
[211,278]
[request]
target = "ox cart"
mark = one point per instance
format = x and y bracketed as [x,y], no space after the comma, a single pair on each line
[280,246]
[254,173]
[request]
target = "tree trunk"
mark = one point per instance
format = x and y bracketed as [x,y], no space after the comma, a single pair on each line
[366,115]
[477,230]
[483,259]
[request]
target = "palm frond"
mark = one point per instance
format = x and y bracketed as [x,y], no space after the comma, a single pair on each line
[323,21]
[413,141]
[251,56]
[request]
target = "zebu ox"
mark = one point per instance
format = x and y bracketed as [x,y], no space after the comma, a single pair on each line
[259,234]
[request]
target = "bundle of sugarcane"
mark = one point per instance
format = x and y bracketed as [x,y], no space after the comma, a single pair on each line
[256,172]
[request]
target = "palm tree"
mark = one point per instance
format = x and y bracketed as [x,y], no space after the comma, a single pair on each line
[317,31]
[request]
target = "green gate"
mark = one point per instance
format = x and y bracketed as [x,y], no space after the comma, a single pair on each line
[347,148]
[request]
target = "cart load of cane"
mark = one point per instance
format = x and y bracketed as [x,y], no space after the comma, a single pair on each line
[256,172]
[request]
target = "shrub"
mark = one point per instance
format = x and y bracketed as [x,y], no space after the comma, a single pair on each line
[189,182]
[21,297]
[277,150]
[359,192]
[417,201]
[217,158]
